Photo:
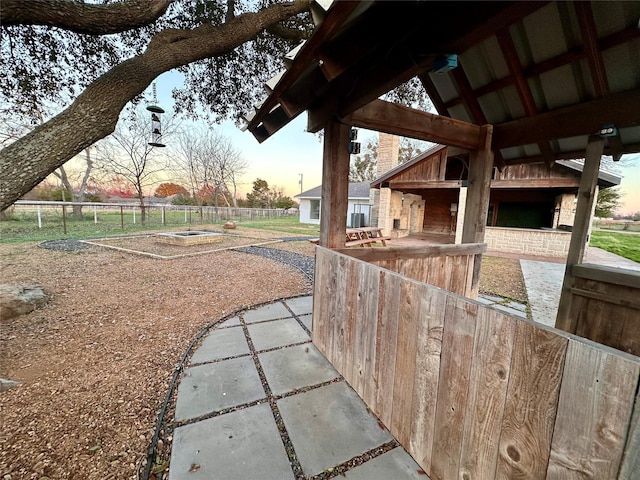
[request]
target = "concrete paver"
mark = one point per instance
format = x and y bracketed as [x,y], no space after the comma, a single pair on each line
[306,320]
[277,333]
[232,322]
[215,386]
[241,445]
[330,425]
[300,305]
[268,312]
[296,367]
[543,281]
[387,466]
[222,343]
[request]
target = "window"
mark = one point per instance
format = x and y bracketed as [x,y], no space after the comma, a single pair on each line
[314,213]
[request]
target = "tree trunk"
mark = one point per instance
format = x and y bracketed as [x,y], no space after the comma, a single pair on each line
[94,114]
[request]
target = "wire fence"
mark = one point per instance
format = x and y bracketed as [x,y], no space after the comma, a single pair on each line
[105,218]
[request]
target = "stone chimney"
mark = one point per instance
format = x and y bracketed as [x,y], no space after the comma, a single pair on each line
[388,149]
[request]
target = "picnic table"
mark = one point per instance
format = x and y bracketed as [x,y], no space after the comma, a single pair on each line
[362,237]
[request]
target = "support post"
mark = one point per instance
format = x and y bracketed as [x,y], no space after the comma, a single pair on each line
[335,185]
[477,203]
[580,231]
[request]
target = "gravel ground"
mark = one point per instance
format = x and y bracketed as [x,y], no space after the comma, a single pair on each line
[96,362]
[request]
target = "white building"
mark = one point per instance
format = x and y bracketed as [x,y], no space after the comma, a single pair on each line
[358,208]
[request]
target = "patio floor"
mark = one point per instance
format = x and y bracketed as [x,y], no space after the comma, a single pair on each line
[259,401]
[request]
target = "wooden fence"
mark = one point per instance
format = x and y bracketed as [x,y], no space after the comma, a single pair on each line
[606,306]
[473,393]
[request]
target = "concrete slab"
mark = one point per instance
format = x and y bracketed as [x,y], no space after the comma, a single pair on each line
[492,298]
[486,301]
[544,283]
[396,464]
[329,426]
[301,305]
[232,322]
[306,320]
[277,333]
[510,311]
[216,386]
[296,367]
[516,306]
[268,312]
[239,445]
[221,343]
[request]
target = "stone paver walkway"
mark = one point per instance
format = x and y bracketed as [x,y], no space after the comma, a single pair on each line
[259,401]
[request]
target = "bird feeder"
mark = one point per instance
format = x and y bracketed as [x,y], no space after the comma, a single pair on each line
[156,126]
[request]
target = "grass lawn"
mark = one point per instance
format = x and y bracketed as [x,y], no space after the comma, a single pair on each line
[624,244]
[24,228]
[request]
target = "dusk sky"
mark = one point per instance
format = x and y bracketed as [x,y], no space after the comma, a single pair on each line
[292,151]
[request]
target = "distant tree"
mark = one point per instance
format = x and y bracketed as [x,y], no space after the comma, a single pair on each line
[79,190]
[260,196]
[608,201]
[168,189]
[128,155]
[285,203]
[118,187]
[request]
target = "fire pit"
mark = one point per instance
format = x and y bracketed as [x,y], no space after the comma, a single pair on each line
[192,237]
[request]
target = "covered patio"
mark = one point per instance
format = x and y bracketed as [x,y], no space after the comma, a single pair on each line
[468,391]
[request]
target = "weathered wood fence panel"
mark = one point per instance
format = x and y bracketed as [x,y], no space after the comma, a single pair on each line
[606,306]
[471,392]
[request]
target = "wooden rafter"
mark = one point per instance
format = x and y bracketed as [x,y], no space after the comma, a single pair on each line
[522,86]
[433,94]
[471,101]
[591,48]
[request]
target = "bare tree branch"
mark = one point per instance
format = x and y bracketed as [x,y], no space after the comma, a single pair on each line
[83,17]
[281,31]
[30,159]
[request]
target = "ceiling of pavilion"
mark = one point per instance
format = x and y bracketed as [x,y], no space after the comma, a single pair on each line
[545,74]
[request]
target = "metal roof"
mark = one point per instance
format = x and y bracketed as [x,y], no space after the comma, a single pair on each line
[357,191]
[545,74]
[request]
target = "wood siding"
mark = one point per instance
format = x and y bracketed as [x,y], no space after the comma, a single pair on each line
[471,392]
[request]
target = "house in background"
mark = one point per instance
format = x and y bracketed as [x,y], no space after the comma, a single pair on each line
[531,206]
[358,208]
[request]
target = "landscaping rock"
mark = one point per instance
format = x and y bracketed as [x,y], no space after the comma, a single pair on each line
[7,384]
[229,226]
[18,300]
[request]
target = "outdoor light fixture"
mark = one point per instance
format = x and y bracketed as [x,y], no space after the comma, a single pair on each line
[445,63]
[354,147]
[156,131]
[453,209]
[608,131]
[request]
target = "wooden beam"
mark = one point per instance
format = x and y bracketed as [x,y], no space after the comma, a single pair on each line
[407,122]
[629,148]
[335,185]
[620,109]
[566,319]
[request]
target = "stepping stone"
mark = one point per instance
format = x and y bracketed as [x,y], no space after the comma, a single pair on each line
[511,311]
[222,343]
[329,426]
[268,312]
[239,445]
[277,334]
[396,464]
[216,386]
[300,305]
[517,306]
[296,367]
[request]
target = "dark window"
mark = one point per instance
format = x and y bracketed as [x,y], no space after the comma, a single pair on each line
[314,213]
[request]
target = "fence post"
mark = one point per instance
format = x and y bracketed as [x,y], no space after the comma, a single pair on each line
[122,217]
[185,214]
[134,214]
[163,219]
[64,219]
[95,214]
[39,216]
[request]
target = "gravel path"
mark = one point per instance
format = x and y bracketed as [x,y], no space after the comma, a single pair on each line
[303,263]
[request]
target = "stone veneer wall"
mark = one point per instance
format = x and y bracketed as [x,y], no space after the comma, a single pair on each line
[388,148]
[548,243]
